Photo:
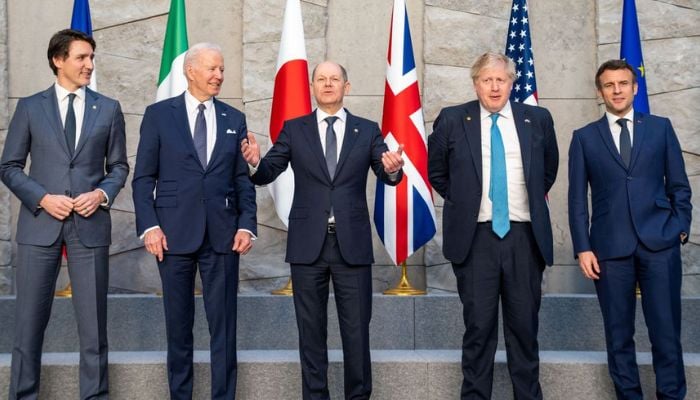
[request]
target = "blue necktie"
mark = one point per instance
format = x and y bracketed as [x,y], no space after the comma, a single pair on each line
[200,135]
[625,142]
[498,192]
[69,126]
[331,147]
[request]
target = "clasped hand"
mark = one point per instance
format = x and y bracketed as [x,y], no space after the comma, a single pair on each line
[60,206]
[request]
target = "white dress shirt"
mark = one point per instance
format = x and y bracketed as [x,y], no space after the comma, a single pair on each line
[78,106]
[518,206]
[192,106]
[616,129]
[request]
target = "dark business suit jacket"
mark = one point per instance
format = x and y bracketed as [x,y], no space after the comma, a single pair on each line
[189,200]
[99,161]
[454,170]
[647,202]
[315,192]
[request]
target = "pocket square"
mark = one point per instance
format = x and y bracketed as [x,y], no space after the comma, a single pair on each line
[230,132]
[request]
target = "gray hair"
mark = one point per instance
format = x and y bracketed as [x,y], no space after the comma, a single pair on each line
[490,60]
[194,50]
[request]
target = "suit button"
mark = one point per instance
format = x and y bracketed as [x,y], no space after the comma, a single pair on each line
[71,166]
[629,178]
[67,193]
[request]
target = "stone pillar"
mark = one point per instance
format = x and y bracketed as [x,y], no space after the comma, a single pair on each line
[6,270]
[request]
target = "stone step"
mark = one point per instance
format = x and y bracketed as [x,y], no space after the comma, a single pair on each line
[266,322]
[397,374]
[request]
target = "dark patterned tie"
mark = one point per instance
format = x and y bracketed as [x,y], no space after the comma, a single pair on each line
[200,135]
[331,146]
[69,126]
[625,142]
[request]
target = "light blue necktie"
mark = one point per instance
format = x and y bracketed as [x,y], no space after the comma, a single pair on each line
[498,192]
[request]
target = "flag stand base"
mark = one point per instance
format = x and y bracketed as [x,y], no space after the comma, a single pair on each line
[404,287]
[286,290]
[65,292]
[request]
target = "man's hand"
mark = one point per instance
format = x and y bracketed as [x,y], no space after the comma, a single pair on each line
[155,242]
[250,150]
[242,242]
[57,205]
[392,160]
[589,264]
[86,204]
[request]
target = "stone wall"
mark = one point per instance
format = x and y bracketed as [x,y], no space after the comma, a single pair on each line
[569,39]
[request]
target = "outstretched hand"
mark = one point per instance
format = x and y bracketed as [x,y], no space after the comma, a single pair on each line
[393,160]
[250,150]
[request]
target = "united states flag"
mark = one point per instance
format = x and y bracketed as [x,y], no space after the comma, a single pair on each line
[404,215]
[519,49]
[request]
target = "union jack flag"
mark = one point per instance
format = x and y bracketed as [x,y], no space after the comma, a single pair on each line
[404,214]
[519,49]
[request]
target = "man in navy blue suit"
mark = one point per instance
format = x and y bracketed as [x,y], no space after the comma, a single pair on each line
[641,213]
[493,162]
[330,234]
[201,216]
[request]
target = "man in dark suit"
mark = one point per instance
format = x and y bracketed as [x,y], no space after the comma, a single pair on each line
[493,162]
[201,216]
[77,145]
[330,151]
[641,213]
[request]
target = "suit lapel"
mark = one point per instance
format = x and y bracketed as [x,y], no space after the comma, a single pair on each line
[523,127]
[472,130]
[314,139]
[352,130]
[89,117]
[221,125]
[182,125]
[639,136]
[50,106]
[606,136]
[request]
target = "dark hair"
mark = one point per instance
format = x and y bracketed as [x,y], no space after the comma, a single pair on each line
[614,65]
[60,44]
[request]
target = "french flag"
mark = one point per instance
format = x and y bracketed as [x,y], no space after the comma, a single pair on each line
[291,97]
[404,214]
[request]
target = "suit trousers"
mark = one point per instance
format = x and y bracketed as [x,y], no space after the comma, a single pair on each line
[219,274]
[509,270]
[659,275]
[37,271]
[352,286]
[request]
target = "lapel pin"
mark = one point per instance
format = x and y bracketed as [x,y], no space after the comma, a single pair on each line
[223,114]
[527,121]
[230,132]
[94,107]
[468,118]
[356,130]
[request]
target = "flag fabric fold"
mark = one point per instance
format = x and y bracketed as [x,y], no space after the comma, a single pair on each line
[171,80]
[404,214]
[81,21]
[519,49]
[631,51]
[291,97]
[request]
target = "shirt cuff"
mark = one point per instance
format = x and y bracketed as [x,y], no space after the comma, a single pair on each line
[252,235]
[148,230]
[106,202]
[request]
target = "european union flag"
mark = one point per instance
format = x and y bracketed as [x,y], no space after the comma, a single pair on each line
[81,17]
[631,51]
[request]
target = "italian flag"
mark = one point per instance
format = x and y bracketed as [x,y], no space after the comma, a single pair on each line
[291,97]
[171,80]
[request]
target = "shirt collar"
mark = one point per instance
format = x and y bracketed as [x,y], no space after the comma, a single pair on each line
[62,93]
[612,118]
[192,101]
[321,115]
[505,112]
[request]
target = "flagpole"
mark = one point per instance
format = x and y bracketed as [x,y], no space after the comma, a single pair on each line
[404,287]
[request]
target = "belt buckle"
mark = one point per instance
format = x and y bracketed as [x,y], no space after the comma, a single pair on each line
[330,228]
